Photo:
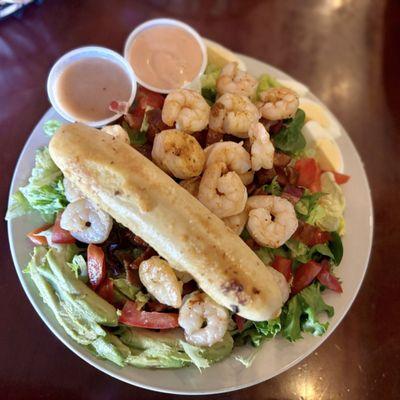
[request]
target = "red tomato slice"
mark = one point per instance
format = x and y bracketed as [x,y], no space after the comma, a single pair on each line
[240,321]
[327,279]
[106,290]
[147,98]
[284,266]
[309,174]
[311,235]
[304,275]
[144,319]
[60,235]
[35,238]
[340,178]
[96,265]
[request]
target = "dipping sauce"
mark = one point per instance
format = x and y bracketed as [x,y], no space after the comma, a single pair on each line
[86,88]
[165,57]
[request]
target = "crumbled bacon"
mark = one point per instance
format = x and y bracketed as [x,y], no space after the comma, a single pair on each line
[264,176]
[213,137]
[311,235]
[149,252]
[292,193]
[155,122]
[201,137]
[281,159]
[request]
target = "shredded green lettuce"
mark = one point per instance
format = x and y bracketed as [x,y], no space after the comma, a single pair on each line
[273,188]
[79,267]
[44,192]
[51,126]
[266,82]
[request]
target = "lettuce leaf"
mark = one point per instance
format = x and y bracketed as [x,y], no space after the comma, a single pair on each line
[51,126]
[79,267]
[302,311]
[265,82]
[257,332]
[273,188]
[290,139]
[44,192]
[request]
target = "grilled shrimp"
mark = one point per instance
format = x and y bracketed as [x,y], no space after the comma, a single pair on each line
[278,103]
[191,185]
[187,109]
[178,153]
[262,149]
[233,80]
[236,222]
[160,280]
[198,310]
[117,132]
[233,113]
[272,220]
[86,222]
[72,193]
[235,157]
[221,191]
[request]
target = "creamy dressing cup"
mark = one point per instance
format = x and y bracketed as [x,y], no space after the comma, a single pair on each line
[84,53]
[170,23]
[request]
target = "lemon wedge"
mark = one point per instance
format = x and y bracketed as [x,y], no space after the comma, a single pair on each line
[220,55]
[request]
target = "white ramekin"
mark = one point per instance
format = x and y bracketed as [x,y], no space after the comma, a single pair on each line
[170,22]
[79,54]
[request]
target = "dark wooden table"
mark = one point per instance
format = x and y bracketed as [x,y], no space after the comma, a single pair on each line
[347,52]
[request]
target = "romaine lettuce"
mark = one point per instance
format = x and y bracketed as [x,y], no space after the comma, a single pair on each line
[265,82]
[209,82]
[44,192]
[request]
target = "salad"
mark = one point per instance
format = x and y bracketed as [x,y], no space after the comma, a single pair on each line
[248,151]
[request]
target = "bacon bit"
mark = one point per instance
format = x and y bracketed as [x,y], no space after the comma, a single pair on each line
[311,235]
[275,128]
[252,244]
[149,252]
[264,176]
[155,122]
[145,150]
[213,137]
[281,159]
[189,287]
[201,137]
[251,188]
[286,175]
[247,145]
[231,138]
[292,193]
[119,107]
[259,191]
[139,241]
[154,305]
[133,277]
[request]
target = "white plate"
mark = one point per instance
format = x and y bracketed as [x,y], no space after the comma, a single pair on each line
[275,356]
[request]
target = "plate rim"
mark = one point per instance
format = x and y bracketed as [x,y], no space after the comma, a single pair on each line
[96,364]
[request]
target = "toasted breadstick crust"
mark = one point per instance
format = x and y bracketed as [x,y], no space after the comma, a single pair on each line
[139,195]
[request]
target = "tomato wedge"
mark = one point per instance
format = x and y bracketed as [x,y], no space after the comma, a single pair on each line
[60,235]
[35,238]
[304,275]
[284,266]
[144,319]
[340,178]
[96,265]
[147,98]
[309,174]
[327,279]
[106,290]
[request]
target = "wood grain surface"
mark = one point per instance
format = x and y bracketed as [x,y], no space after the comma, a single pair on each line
[347,52]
